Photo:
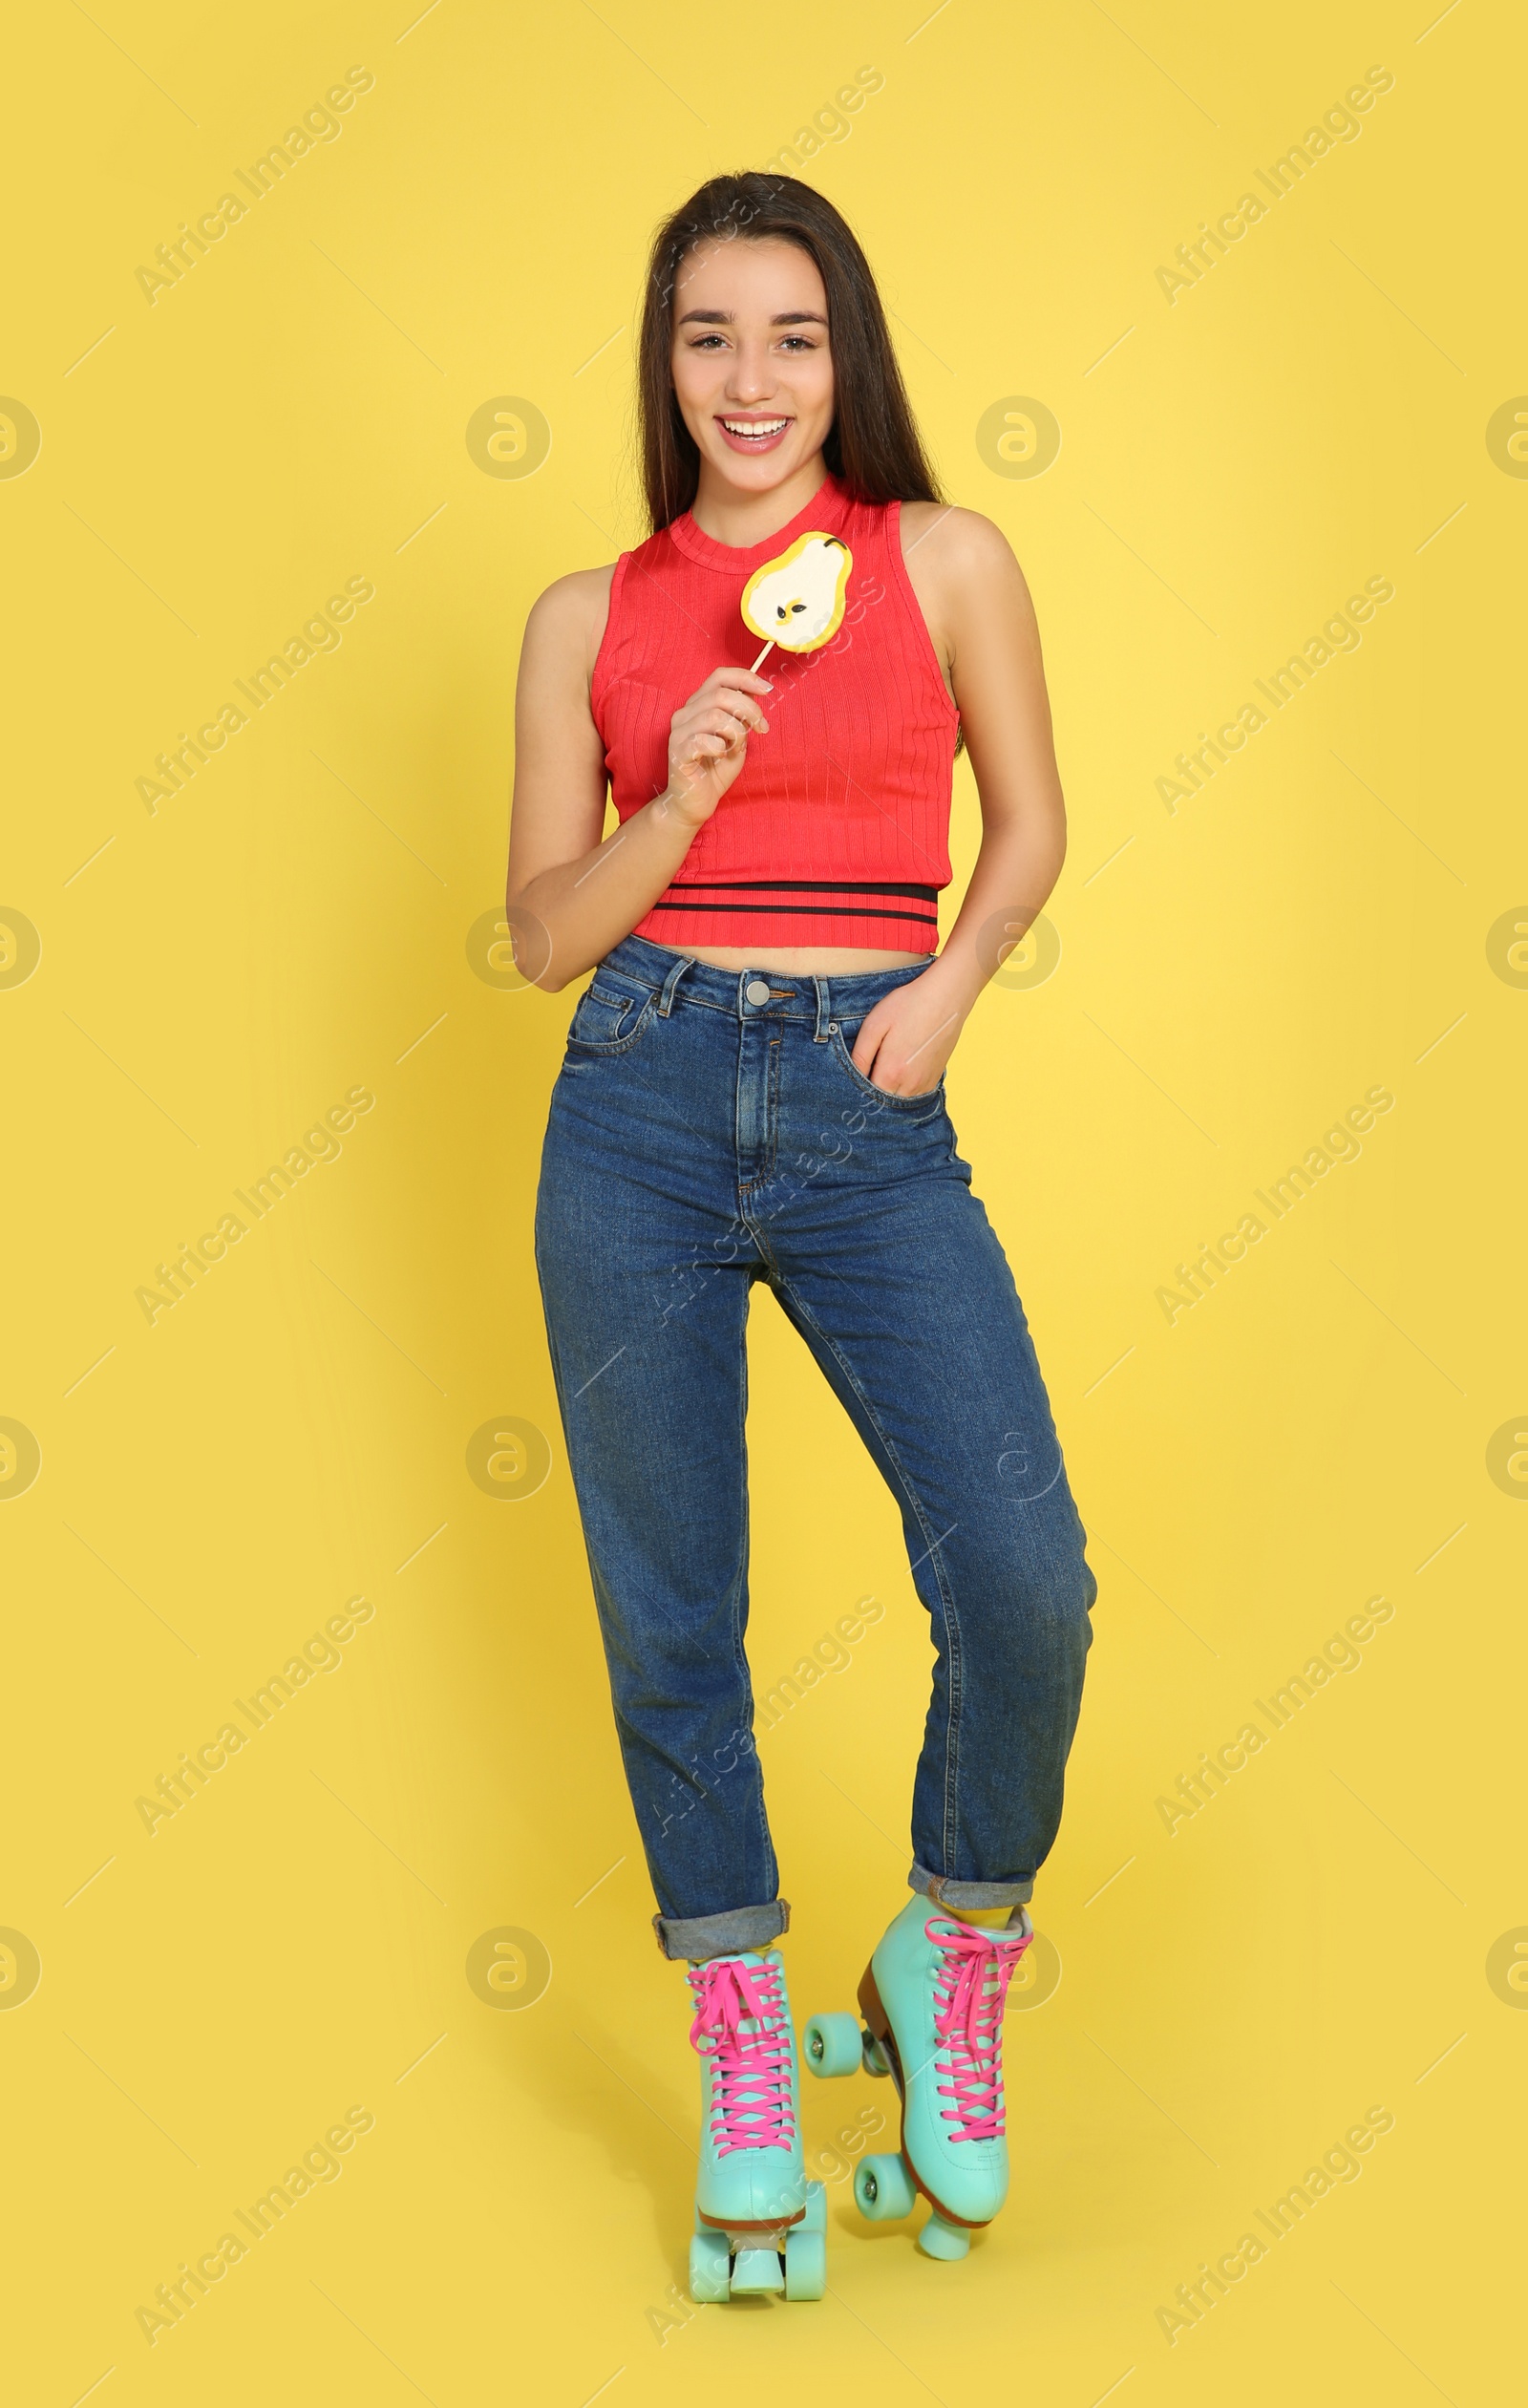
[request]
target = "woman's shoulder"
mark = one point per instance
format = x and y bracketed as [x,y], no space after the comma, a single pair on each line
[577,596]
[572,614]
[948,534]
[959,564]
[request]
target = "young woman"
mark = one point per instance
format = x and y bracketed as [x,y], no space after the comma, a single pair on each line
[753,1090]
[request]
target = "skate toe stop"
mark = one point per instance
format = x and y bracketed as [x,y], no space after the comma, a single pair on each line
[756,2271]
[940,2240]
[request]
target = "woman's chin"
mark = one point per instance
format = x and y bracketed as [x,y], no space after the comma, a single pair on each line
[760,472]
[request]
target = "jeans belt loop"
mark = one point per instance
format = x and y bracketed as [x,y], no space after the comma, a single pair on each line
[824,996]
[666,1000]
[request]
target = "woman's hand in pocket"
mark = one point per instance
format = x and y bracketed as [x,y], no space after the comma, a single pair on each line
[906,1042]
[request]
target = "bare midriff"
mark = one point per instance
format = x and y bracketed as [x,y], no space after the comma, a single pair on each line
[805,961]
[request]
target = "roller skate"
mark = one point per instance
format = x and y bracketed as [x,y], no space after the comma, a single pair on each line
[932,2000]
[760,2226]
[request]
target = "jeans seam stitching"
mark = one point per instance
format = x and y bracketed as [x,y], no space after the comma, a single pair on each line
[772,1109]
[739,1644]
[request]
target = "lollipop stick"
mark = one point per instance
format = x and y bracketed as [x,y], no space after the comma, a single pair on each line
[768,649]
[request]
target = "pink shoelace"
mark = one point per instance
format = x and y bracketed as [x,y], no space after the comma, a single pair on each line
[970,1990]
[740,2026]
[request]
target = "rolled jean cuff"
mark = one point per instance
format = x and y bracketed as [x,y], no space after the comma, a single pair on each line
[953,1893]
[721,1935]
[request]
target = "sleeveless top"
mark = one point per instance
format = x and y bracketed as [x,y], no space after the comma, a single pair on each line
[836,831]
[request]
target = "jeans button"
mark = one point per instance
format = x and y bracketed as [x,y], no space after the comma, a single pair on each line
[756,990]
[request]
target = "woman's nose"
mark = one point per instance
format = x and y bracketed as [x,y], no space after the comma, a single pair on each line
[752,376]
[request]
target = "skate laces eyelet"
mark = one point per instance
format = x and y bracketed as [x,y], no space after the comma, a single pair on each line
[970,1990]
[741,2029]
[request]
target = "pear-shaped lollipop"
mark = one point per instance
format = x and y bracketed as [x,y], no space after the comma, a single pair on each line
[796,600]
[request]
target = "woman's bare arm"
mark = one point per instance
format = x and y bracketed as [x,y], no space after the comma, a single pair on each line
[982,621]
[571,897]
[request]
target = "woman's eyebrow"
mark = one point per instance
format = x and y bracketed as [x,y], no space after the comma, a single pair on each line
[725,317]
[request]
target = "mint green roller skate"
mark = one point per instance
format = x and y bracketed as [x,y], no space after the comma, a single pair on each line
[760,2226]
[932,1999]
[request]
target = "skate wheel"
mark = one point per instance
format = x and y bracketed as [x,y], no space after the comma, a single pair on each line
[873,2058]
[710,2268]
[815,2219]
[754,2272]
[831,2045]
[884,2189]
[939,2239]
[806,2262]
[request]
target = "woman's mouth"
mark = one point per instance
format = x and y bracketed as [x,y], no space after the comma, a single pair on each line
[754,434]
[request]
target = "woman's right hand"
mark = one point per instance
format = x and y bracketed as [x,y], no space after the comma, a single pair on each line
[708,740]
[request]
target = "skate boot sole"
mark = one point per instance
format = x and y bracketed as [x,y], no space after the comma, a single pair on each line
[754,2233]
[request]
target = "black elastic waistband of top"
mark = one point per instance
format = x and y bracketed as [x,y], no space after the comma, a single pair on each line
[803,898]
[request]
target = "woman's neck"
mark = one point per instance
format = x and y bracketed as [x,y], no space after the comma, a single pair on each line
[738,519]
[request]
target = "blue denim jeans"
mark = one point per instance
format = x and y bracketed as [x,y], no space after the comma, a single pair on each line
[708,1129]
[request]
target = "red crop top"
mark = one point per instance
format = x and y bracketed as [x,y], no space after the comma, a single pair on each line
[836,829]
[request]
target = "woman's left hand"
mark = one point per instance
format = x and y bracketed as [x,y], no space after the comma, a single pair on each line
[904,1043]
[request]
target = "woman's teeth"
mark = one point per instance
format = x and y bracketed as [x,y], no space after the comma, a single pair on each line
[759,428]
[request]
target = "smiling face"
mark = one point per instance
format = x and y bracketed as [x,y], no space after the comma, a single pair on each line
[751,368]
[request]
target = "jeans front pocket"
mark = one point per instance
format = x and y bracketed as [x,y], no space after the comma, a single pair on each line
[930,1097]
[611,1015]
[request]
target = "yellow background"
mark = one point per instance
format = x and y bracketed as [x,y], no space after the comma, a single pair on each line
[1315,1432]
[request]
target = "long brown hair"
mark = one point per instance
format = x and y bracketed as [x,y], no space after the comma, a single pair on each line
[873,446]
